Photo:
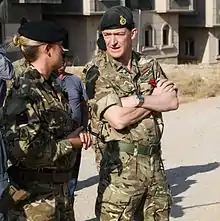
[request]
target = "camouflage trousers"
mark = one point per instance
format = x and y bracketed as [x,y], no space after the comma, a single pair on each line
[99,149]
[53,204]
[132,188]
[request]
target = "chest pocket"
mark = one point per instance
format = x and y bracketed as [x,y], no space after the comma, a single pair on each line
[121,83]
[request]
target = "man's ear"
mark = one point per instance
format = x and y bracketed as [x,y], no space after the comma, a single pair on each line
[46,49]
[133,33]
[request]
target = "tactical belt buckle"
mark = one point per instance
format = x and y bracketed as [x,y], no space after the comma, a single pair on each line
[135,151]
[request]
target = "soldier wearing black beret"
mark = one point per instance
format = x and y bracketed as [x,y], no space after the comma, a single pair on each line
[117,17]
[128,93]
[42,137]
[42,31]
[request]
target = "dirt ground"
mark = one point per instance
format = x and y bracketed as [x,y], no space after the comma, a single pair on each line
[191,153]
[193,81]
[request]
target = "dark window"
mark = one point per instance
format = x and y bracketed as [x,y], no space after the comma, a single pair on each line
[148,36]
[166,34]
[189,47]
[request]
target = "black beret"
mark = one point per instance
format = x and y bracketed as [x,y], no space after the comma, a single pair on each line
[117,17]
[101,42]
[43,31]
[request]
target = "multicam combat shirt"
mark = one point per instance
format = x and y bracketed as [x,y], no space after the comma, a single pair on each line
[107,80]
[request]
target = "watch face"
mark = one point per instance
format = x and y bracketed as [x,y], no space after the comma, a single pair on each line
[140,100]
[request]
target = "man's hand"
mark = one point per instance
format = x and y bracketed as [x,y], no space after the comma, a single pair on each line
[85,138]
[163,86]
[80,138]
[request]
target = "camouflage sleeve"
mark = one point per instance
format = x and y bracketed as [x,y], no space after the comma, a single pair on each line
[102,95]
[158,71]
[151,67]
[27,130]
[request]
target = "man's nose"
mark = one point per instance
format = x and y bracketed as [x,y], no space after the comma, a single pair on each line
[113,40]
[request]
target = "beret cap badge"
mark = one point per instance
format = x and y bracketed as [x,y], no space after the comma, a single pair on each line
[123,20]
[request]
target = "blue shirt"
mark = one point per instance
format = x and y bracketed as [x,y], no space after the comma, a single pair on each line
[76,93]
[74,89]
[6,73]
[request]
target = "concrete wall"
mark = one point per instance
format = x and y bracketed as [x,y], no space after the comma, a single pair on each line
[214,36]
[92,26]
[206,44]
[197,18]
[157,21]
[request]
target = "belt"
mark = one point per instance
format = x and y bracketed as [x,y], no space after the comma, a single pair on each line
[44,176]
[147,150]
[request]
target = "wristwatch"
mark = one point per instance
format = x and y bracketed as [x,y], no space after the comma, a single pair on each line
[140,100]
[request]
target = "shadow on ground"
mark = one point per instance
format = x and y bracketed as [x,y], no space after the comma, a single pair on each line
[179,180]
[87,183]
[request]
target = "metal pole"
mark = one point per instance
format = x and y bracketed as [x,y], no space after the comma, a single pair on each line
[139,30]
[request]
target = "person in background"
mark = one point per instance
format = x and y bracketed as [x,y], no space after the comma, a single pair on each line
[74,90]
[6,73]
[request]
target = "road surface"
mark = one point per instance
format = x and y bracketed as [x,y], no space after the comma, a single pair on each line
[191,153]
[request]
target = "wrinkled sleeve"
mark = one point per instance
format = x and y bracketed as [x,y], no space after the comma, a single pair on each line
[6,68]
[99,91]
[27,130]
[158,71]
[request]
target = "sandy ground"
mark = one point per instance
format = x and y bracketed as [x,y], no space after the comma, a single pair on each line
[191,153]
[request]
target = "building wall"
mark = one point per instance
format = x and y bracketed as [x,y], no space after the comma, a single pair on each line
[167,53]
[197,18]
[83,35]
[206,45]
[92,27]
[214,36]
[82,31]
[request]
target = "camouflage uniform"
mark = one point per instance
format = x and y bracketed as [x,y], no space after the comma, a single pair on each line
[20,66]
[37,121]
[132,183]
